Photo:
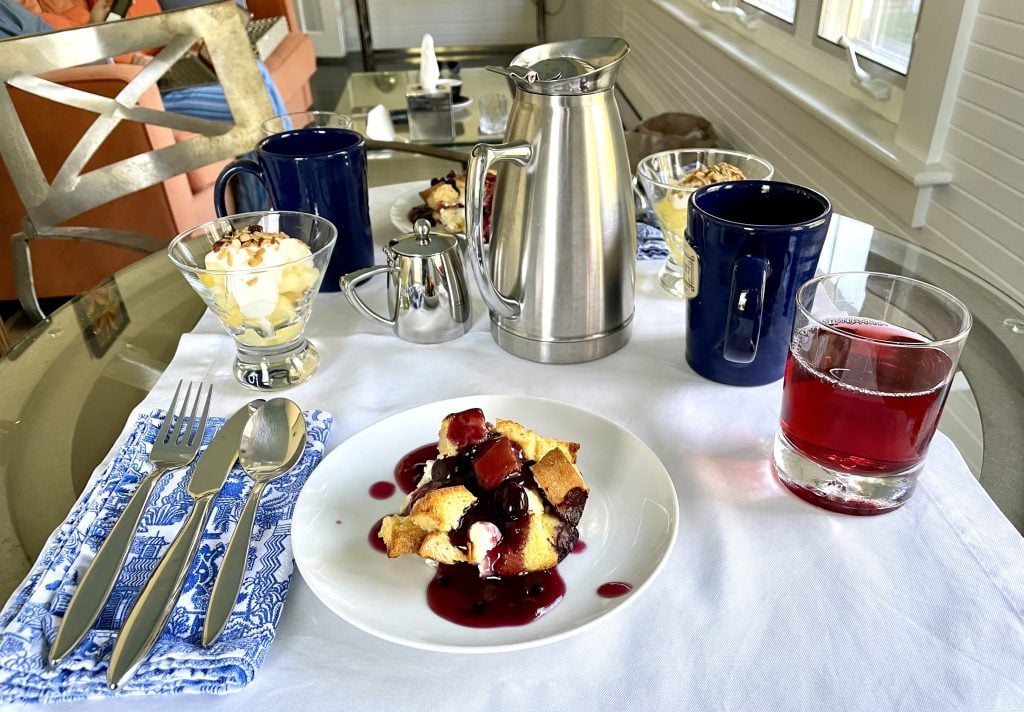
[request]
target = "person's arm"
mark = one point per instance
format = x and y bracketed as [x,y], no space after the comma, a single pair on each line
[99,11]
[15,21]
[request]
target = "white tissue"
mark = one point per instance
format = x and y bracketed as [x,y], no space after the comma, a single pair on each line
[429,71]
[378,124]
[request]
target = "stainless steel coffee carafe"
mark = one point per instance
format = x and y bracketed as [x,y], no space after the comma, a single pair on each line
[558,275]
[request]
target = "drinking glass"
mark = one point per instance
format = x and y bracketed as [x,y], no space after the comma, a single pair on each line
[660,175]
[264,307]
[306,120]
[493,110]
[869,367]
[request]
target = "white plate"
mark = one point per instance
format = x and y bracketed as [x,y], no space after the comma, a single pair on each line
[399,212]
[629,526]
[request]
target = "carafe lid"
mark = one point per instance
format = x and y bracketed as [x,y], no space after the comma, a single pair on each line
[569,67]
[422,242]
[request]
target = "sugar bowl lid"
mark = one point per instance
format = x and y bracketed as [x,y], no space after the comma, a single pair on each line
[422,241]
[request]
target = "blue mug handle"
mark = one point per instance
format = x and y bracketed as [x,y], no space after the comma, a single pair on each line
[241,165]
[746,304]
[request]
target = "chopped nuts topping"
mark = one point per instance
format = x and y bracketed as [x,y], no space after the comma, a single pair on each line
[257,258]
[706,175]
[251,238]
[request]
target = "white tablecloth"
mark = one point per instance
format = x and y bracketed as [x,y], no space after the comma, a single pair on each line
[766,603]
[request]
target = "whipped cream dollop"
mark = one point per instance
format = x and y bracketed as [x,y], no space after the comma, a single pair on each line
[266,277]
[483,536]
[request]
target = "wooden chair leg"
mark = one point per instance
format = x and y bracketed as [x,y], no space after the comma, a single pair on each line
[5,340]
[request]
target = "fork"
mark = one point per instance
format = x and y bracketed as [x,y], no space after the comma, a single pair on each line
[175,447]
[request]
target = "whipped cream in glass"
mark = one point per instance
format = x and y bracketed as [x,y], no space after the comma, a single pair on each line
[266,278]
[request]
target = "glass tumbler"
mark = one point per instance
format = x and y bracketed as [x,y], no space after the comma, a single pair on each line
[870,363]
[264,301]
[306,120]
[661,175]
[493,110]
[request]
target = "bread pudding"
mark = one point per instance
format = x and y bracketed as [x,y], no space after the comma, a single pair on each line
[445,203]
[499,496]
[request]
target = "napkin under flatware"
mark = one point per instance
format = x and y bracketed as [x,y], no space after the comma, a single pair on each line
[178,663]
[650,243]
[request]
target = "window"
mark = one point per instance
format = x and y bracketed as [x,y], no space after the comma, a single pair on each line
[898,119]
[882,30]
[783,9]
[817,36]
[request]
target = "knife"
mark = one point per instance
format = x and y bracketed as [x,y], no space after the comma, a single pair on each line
[149,615]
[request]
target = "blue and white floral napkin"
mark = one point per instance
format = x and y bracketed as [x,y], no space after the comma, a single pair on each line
[177,663]
[650,243]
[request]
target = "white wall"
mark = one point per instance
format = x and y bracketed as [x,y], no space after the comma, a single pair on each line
[976,221]
[401,23]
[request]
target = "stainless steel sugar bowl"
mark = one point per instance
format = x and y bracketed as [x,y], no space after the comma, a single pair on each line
[428,296]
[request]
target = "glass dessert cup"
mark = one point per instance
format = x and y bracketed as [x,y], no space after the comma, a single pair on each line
[660,175]
[870,363]
[263,305]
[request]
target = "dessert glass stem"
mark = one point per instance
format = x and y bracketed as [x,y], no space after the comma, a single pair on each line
[272,369]
[670,277]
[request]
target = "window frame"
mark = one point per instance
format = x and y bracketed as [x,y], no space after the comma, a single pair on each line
[764,16]
[921,104]
[867,61]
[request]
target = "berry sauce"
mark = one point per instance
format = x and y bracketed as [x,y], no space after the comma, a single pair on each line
[382,489]
[614,589]
[458,594]
[410,468]
[421,212]
[579,547]
[374,537]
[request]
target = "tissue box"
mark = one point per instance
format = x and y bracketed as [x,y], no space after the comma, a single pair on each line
[430,114]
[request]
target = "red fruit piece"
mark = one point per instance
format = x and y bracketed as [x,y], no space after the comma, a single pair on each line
[467,427]
[495,461]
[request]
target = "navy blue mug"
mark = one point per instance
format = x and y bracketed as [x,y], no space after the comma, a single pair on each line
[320,171]
[756,243]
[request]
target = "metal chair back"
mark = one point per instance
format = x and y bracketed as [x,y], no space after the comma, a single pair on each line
[76,188]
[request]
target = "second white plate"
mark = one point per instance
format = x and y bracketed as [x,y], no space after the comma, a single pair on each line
[399,211]
[629,527]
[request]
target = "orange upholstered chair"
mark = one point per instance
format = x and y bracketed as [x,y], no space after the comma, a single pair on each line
[62,268]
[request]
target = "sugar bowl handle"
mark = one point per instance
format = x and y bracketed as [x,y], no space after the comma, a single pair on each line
[350,281]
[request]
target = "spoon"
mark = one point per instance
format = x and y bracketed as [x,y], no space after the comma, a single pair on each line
[272,443]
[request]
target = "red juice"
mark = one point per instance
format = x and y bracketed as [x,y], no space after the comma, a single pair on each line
[868,405]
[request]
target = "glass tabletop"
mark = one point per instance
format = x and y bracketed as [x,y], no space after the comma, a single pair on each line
[70,385]
[366,90]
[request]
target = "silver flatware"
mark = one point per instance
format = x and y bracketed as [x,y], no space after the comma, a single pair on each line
[176,446]
[149,615]
[272,443]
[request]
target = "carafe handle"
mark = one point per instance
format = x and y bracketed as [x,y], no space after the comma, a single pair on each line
[481,160]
